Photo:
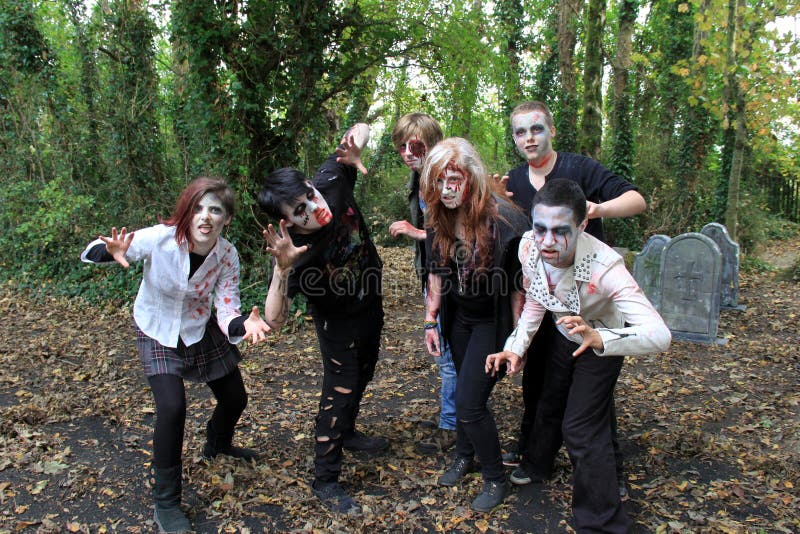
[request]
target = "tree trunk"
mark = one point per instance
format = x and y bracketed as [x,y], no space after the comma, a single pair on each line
[736,102]
[592,123]
[622,146]
[567,118]
[511,93]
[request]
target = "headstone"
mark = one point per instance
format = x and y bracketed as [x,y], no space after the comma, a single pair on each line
[691,268]
[647,267]
[730,264]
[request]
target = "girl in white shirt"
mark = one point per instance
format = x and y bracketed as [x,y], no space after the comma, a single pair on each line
[186,266]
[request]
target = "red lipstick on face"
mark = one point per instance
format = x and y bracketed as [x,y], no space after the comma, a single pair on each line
[323,216]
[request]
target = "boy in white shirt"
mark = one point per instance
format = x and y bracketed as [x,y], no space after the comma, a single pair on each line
[601,314]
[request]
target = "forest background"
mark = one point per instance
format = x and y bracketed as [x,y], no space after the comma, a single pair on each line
[109,107]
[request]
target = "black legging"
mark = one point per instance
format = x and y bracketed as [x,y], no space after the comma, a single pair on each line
[169,394]
[471,340]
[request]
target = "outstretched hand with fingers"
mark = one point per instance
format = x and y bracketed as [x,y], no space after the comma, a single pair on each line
[514,363]
[281,246]
[504,182]
[255,328]
[349,153]
[576,325]
[117,245]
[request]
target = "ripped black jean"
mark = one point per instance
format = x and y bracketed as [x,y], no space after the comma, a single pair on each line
[349,347]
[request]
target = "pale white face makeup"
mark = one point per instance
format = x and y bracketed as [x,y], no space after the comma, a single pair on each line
[413,151]
[556,234]
[308,213]
[532,135]
[207,223]
[453,187]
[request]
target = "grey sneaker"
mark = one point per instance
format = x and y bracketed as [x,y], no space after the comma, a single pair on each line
[511,459]
[458,469]
[440,440]
[494,493]
[334,497]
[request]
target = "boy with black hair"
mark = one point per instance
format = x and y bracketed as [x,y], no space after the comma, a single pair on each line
[598,314]
[324,251]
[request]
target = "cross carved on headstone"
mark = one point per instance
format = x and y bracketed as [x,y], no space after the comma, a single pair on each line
[688,282]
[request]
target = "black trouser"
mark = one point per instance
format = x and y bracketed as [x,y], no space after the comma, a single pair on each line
[169,394]
[532,382]
[349,348]
[471,340]
[576,404]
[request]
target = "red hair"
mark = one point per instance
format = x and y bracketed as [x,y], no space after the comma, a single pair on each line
[479,208]
[183,212]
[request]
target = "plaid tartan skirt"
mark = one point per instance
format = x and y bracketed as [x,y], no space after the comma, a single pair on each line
[209,359]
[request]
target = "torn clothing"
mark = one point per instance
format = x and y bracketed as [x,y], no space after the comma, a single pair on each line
[340,274]
[173,304]
[597,287]
[349,348]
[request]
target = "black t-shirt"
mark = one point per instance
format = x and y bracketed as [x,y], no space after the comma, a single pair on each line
[598,184]
[341,272]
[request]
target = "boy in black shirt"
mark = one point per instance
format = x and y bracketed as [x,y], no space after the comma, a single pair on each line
[607,195]
[324,251]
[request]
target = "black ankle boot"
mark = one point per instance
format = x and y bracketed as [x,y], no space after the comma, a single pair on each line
[167,497]
[217,443]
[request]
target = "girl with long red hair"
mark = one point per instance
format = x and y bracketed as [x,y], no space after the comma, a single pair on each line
[474,287]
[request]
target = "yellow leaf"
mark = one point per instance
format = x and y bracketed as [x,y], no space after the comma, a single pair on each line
[74,526]
[683,8]
[482,525]
[37,489]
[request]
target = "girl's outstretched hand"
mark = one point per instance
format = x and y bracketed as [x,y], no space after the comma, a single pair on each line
[255,328]
[117,245]
[281,246]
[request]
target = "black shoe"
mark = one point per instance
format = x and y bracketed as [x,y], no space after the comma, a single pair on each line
[520,477]
[511,459]
[335,498]
[460,467]
[357,441]
[220,443]
[494,493]
[440,440]
[167,513]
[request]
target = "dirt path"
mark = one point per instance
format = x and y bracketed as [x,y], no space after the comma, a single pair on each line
[711,433]
[781,255]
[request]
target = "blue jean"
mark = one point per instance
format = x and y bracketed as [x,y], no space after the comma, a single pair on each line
[447,372]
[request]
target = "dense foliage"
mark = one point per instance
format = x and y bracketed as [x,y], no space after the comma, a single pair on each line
[109,107]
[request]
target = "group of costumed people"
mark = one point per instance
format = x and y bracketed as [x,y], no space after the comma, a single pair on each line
[514,276]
